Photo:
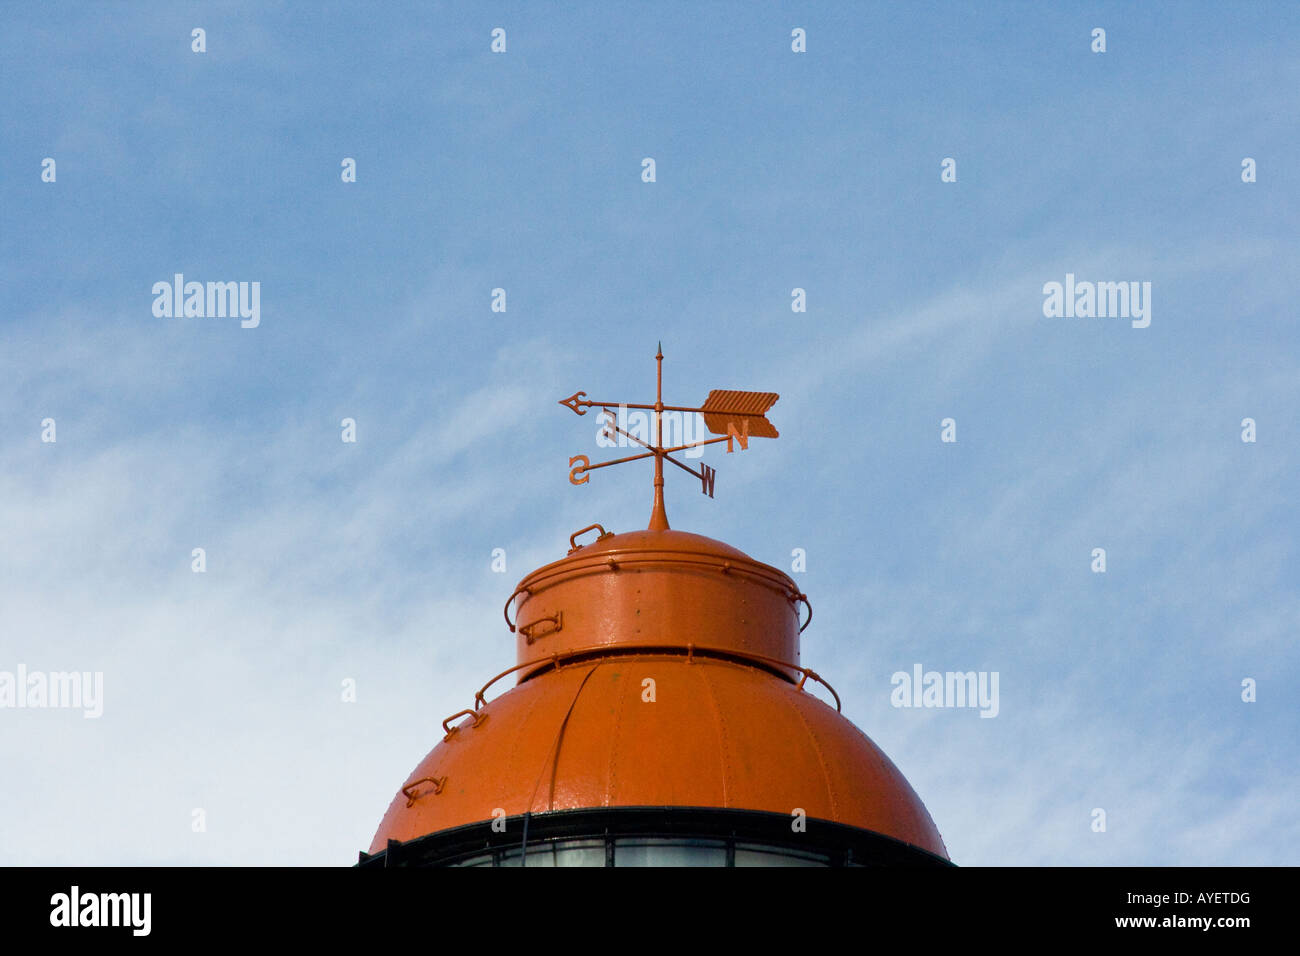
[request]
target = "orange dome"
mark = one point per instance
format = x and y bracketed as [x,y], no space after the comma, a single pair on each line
[656,669]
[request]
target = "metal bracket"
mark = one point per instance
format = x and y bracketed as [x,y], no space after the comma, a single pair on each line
[407,791]
[795,599]
[509,601]
[478,719]
[529,630]
[573,543]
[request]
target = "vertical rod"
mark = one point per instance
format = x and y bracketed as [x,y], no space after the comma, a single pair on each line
[658,516]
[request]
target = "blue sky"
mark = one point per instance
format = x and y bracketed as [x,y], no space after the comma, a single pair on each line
[774,170]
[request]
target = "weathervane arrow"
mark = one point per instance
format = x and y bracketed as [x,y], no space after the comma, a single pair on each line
[734,416]
[572,402]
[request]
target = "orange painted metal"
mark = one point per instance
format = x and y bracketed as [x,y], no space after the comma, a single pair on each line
[658,668]
[587,653]
[718,734]
[735,416]
[728,725]
[726,410]
[657,588]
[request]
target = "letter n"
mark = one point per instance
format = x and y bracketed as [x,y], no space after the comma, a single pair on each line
[707,477]
[741,436]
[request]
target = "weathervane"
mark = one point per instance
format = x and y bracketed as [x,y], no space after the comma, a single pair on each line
[734,416]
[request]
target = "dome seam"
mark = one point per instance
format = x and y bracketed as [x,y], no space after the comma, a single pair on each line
[723,757]
[821,758]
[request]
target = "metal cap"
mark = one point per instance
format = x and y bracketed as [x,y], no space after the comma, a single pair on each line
[657,590]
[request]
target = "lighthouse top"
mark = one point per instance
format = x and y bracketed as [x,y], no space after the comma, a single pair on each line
[656,671]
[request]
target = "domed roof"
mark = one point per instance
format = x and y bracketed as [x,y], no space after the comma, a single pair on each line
[658,669]
[718,733]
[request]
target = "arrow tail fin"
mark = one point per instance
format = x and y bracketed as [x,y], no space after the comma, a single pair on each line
[726,408]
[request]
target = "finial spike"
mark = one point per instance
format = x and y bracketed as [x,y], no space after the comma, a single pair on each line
[658,515]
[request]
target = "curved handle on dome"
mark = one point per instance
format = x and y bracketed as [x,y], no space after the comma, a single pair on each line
[437,782]
[803,597]
[510,600]
[478,719]
[530,630]
[573,544]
